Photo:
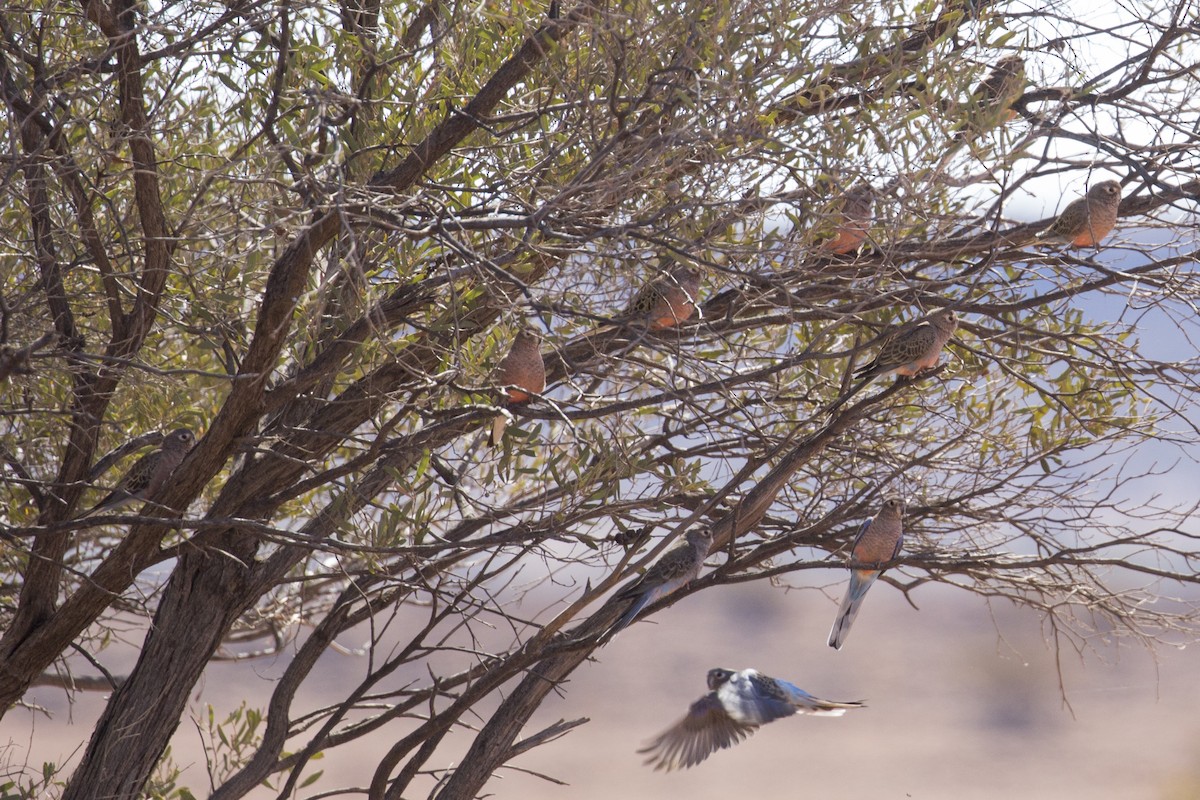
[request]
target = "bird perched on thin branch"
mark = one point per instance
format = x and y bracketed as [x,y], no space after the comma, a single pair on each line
[148,474]
[738,703]
[666,301]
[521,374]
[992,100]
[1087,220]
[852,220]
[679,566]
[878,541]
[907,351]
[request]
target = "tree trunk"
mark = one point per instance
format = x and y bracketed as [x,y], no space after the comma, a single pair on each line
[202,600]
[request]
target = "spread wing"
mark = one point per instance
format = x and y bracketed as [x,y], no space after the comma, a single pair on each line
[705,729]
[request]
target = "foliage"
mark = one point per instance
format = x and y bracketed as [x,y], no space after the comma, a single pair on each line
[309,233]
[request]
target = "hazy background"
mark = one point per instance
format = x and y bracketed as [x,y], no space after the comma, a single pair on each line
[965,699]
[963,702]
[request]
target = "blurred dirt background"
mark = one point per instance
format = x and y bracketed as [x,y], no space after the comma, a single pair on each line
[965,701]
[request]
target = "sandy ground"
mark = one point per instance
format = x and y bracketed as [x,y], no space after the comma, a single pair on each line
[964,702]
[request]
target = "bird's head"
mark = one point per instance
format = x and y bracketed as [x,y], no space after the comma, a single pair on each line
[1105,190]
[945,319]
[686,278]
[860,194]
[718,677]
[1012,65]
[179,439]
[527,337]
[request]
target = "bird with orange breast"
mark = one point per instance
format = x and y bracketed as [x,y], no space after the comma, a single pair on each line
[520,375]
[666,301]
[1089,219]
[993,99]
[851,221]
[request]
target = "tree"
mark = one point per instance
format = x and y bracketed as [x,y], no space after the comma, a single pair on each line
[309,236]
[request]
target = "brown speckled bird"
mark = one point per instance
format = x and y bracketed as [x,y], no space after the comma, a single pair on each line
[915,349]
[148,473]
[908,351]
[678,567]
[520,374]
[1087,220]
[666,301]
[992,101]
[853,220]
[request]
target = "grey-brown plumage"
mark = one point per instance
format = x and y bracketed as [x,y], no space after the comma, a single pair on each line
[679,566]
[992,101]
[914,349]
[148,474]
[520,374]
[852,220]
[908,351]
[878,541]
[666,301]
[1084,222]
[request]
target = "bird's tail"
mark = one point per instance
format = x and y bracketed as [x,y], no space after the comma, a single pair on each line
[1047,236]
[628,617]
[841,401]
[857,590]
[496,436]
[112,502]
[828,708]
